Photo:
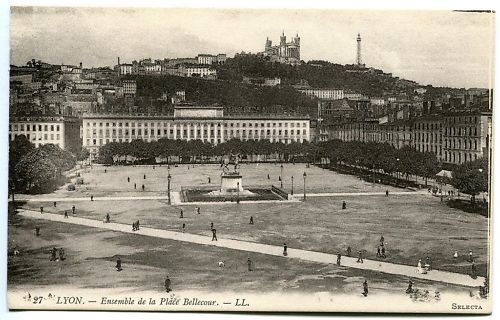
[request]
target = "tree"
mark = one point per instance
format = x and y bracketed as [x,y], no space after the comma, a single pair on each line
[471,177]
[36,171]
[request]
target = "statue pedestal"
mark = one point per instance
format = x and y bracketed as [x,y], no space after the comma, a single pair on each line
[231,182]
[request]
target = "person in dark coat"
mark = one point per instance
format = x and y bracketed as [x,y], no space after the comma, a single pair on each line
[251,220]
[386,193]
[144,177]
[249,263]
[410,287]
[41,209]
[37,231]
[135,185]
[360,256]
[214,235]
[183,227]
[349,251]
[285,247]
[339,256]
[91,198]
[108,218]
[209,181]
[344,205]
[53,254]
[365,288]
[182,214]
[128,179]
[61,254]
[118,264]
[167,284]
[65,213]
[143,187]
[55,204]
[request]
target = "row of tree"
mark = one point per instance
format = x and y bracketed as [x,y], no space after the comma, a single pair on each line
[37,170]
[196,150]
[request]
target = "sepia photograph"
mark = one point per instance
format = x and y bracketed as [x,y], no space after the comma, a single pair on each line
[250,160]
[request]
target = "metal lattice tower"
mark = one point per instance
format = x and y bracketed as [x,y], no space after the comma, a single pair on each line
[358,56]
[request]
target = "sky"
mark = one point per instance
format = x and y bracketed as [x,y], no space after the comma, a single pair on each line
[442,48]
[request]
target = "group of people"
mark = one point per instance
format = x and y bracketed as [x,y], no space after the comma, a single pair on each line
[135,225]
[54,252]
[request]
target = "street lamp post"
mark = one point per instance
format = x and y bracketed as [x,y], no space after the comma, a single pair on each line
[292,186]
[238,193]
[169,178]
[281,176]
[304,175]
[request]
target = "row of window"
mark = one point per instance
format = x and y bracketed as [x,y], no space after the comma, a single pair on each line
[34,136]
[100,142]
[428,126]
[225,124]
[461,119]
[456,157]
[34,127]
[457,144]
[198,132]
[464,131]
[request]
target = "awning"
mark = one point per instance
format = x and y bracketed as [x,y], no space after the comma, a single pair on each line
[444,173]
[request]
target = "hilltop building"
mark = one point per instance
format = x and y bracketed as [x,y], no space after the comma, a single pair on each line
[285,52]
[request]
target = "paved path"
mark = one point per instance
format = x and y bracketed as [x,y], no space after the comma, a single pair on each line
[175,197]
[385,267]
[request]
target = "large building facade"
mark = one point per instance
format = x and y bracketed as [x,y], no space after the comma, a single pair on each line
[208,124]
[285,52]
[63,131]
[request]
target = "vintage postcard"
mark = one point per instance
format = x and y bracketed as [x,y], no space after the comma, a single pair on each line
[169,159]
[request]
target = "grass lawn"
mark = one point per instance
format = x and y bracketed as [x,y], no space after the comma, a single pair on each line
[91,256]
[414,227]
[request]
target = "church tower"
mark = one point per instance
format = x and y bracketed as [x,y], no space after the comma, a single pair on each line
[359,62]
[283,39]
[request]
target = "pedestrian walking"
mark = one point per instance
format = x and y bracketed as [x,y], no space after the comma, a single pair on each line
[428,263]
[251,220]
[135,185]
[285,252]
[137,225]
[268,177]
[198,210]
[360,256]
[365,288]
[142,187]
[128,179]
[53,254]
[339,256]
[167,284]
[183,227]
[91,198]
[249,263]
[133,226]
[105,170]
[344,205]
[386,193]
[55,204]
[37,231]
[73,208]
[108,218]
[144,177]
[349,251]
[182,214]
[209,180]
[214,235]
[41,209]
[65,214]
[410,287]
[118,264]
[471,258]
[473,270]
[61,254]
[382,239]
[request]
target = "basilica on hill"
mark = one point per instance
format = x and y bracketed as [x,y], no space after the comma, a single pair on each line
[285,52]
